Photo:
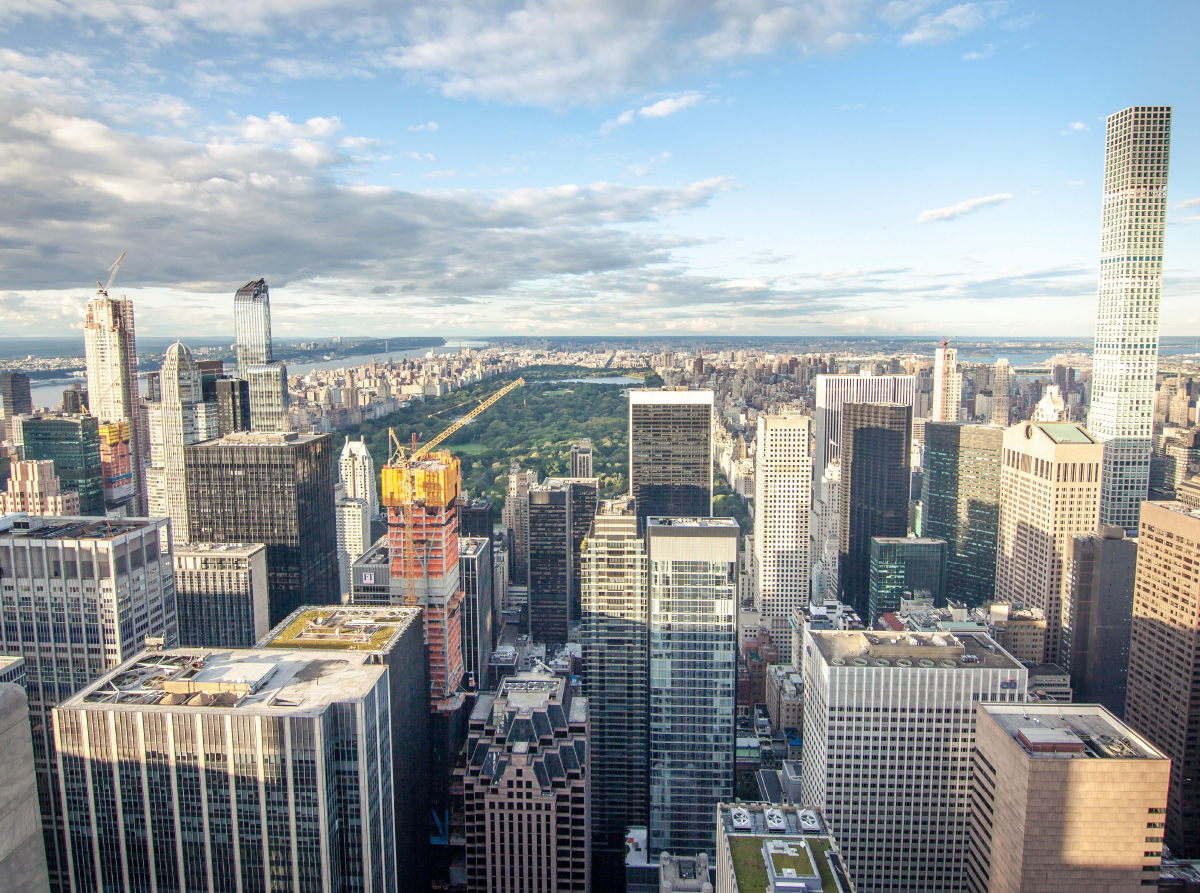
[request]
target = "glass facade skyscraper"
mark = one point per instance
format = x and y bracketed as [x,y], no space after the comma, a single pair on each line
[671,451]
[252,325]
[693,572]
[902,564]
[73,443]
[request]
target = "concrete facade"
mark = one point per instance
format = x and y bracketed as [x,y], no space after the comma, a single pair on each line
[22,852]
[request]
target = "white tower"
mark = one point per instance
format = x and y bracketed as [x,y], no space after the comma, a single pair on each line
[111,355]
[947,384]
[172,426]
[1130,291]
[356,473]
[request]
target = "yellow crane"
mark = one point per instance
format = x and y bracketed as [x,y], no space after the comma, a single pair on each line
[400,488]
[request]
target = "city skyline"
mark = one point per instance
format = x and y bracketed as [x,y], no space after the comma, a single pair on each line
[866,167]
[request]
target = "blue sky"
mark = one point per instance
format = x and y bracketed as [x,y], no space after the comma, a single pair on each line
[571,167]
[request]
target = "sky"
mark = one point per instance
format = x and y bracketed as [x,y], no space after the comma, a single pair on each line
[576,167]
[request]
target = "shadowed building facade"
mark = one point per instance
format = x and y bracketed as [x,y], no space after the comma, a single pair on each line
[671,451]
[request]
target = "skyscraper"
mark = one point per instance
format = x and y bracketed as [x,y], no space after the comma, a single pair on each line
[275,489]
[233,405]
[34,488]
[1098,591]
[905,566]
[585,498]
[515,516]
[73,443]
[527,782]
[1063,797]
[173,426]
[23,856]
[478,606]
[356,473]
[1049,494]
[221,594]
[671,451]
[116,464]
[1164,665]
[692,567]
[95,589]
[242,769]
[1001,393]
[111,354]
[834,391]
[353,534]
[781,561]
[961,503]
[581,458]
[550,566]
[908,796]
[875,452]
[825,525]
[252,326]
[947,384]
[268,397]
[1125,363]
[613,632]
[15,396]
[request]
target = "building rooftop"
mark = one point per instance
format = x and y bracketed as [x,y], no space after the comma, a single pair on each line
[1064,432]
[1180,508]
[259,438]
[472,546]
[342,628]
[239,550]
[23,526]
[256,680]
[916,650]
[781,848]
[1070,731]
[718,523]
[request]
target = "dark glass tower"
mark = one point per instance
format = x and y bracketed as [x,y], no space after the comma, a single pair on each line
[670,452]
[962,504]
[550,566]
[585,495]
[73,443]
[233,404]
[905,567]
[275,489]
[14,392]
[876,438]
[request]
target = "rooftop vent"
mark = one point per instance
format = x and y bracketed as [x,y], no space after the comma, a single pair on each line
[809,820]
[775,820]
[741,819]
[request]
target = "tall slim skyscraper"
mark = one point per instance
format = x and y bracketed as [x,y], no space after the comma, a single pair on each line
[875,451]
[581,459]
[275,489]
[781,561]
[268,397]
[961,503]
[353,535]
[90,591]
[478,606]
[15,397]
[550,565]
[1049,494]
[1001,393]
[825,525]
[671,451]
[1125,361]
[693,677]
[947,384]
[252,325]
[613,632]
[1164,664]
[834,391]
[356,473]
[515,516]
[908,796]
[111,355]
[172,424]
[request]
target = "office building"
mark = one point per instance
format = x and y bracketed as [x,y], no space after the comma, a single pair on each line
[785,697]
[479,612]
[111,354]
[233,405]
[515,516]
[74,399]
[874,490]
[585,498]
[826,527]
[89,591]
[960,503]
[1099,591]
[781,560]
[1001,393]
[173,426]
[671,451]
[550,564]
[353,534]
[371,576]
[252,326]
[22,850]
[274,489]
[163,745]
[692,569]
[476,517]
[889,719]
[905,567]
[581,458]
[613,631]
[1019,631]
[835,391]
[116,467]
[947,384]
[527,783]
[221,594]
[268,397]
[392,637]
[34,488]
[776,849]
[1049,494]
[72,443]
[15,396]
[1063,797]
[1125,363]
[356,473]
[1164,666]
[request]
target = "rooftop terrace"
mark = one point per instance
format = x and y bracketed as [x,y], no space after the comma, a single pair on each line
[341,628]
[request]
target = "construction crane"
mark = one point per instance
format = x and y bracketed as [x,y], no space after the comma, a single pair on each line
[399,479]
[103,289]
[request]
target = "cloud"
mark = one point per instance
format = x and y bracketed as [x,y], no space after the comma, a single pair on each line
[662,109]
[1079,125]
[974,55]
[1190,203]
[1074,182]
[963,208]
[949,24]
[431,126]
[440,175]
[640,170]
[621,120]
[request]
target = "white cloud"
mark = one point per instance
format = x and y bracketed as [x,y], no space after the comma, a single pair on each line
[643,168]
[621,120]
[974,55]
[963,208]
[1074,182]
[1190,203]
[440,175]
[1079,125]
[666,107]
[431,126]
[949,24]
